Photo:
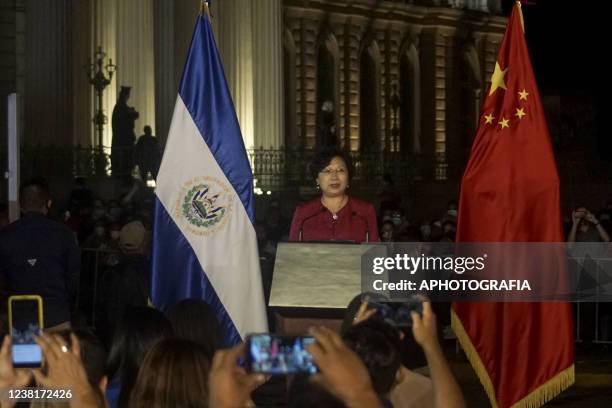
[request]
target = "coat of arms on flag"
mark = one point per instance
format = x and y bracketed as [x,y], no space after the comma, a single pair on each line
[205,205]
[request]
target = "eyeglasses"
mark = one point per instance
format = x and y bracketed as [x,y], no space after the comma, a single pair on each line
[329,172]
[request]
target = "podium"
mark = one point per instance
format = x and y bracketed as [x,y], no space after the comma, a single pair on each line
[313,283]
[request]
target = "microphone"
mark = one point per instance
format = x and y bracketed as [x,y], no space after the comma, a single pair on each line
[301,231]
[367,225]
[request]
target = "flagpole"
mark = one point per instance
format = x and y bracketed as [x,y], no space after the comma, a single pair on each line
[204,9]
[520,10]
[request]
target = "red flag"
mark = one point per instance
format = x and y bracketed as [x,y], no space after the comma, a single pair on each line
[522,352]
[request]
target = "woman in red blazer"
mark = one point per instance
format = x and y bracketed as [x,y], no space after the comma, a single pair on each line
[334,216]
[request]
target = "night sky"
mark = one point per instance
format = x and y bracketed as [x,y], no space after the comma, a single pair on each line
[568,43]
[562,37]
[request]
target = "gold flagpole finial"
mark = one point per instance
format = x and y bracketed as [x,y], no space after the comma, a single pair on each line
[520,10]
[204,9]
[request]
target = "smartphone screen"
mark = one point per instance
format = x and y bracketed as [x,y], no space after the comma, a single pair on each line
[25,324]
[272,354]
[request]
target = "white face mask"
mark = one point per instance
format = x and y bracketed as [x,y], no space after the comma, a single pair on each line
[452,213]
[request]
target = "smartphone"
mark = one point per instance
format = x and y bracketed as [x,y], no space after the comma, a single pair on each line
[273,354]
[397,314]
[25,322]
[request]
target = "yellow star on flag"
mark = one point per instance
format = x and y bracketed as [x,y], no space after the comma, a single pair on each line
[520,112]
[489,119]
[504,123]
[497,79]
[523,94]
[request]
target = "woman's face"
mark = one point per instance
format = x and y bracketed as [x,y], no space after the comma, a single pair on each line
[333,179]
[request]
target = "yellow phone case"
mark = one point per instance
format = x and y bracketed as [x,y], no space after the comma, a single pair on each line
[37,298]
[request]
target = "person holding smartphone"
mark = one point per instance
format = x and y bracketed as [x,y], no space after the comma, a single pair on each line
[340,372]
[405,388]
[586,227]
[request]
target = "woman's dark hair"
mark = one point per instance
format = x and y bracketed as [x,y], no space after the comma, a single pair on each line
[195,320]
[353,307]
[139,330]
[174,373]
[378,346]
[324,156]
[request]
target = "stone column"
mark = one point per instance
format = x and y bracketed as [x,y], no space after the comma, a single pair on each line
[166,85]
[268,73]
[47,102]
[235,41]
[135,59]
[82,91]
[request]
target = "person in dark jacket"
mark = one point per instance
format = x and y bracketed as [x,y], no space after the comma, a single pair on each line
[148,154]
[127,282]
[39,256]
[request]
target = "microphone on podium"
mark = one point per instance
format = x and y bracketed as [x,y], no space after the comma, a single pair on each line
[301,231]
[367,225]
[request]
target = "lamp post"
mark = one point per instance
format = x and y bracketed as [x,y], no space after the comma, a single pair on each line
[100,76]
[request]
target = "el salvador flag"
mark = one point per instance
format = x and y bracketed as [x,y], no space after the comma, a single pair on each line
[204,243]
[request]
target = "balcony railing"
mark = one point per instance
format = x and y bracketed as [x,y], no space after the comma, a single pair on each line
[273,168]
[281,169]
[277,168]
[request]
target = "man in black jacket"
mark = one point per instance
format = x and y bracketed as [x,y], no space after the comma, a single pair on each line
[39,256]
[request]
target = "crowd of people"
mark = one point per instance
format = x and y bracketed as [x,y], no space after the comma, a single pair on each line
[94,257]
[176,360]
[140,356]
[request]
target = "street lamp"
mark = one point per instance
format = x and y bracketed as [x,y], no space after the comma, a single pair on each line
[100,76]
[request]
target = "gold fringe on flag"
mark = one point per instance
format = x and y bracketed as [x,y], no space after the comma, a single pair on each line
[473,357]
[536,398]
[549,390]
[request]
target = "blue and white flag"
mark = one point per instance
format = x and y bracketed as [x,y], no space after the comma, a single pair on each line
[204,243]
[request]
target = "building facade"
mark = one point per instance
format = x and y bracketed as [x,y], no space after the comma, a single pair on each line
[404,78]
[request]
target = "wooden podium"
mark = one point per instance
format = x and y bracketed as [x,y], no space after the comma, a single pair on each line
[313,283]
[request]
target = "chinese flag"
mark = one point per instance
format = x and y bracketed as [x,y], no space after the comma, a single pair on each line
[522,352]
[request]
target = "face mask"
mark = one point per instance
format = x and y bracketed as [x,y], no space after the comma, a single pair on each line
[452,213]
[114,234]
[99,231]
[396,221]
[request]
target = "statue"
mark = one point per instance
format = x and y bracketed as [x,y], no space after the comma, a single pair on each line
[122,148]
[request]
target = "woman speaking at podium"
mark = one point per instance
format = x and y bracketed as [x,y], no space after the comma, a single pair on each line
[334,216]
